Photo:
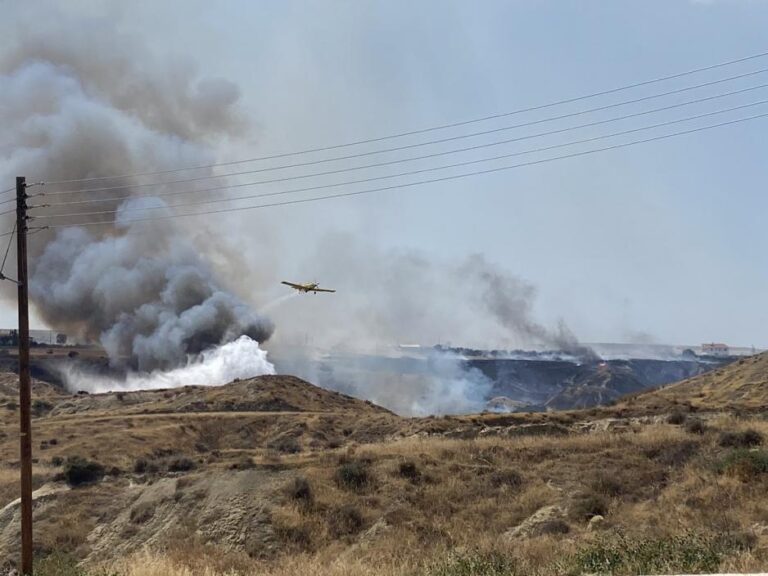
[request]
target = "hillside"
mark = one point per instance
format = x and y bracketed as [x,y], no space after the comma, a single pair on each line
[742,385]
[275,476]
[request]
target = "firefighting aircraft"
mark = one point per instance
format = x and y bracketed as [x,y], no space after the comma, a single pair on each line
[309,287]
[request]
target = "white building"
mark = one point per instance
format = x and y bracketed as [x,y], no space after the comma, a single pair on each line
[715,349]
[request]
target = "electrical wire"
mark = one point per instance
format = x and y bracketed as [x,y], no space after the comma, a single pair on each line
[400,174]
[421,182]
[7,250]
[426,156]
[439,141]
[430,129]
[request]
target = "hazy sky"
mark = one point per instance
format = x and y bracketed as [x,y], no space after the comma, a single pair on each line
[663,241]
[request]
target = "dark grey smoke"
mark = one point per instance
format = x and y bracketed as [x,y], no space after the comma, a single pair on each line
[80,107]
[510,300]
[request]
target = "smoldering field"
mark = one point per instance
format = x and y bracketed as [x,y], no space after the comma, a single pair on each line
[177,301]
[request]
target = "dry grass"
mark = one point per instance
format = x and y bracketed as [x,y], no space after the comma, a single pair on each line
[415,505]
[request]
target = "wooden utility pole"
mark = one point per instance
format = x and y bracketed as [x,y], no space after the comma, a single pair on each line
[25,387]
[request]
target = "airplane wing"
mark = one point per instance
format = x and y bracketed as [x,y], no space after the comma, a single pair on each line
[291,284]
[322,290]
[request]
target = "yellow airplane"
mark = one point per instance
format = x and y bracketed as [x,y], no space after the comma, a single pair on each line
[309,287]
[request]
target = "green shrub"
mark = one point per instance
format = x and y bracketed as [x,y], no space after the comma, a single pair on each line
[58,564]
[475,564]
[745,464]
[79,471]
[687,553]
[353,475]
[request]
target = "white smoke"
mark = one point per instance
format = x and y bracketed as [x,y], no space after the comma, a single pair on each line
[242,358]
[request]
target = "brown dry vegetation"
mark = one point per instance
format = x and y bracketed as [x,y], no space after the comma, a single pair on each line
[369,493]
[742,385]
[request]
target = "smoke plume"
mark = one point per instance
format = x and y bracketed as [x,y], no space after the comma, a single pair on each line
[74,109]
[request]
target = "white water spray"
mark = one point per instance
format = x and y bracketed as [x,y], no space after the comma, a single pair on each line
[269,306]
[242,358]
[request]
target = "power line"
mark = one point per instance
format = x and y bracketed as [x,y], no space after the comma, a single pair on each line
[401,174]
[430,181]
[5,258]
[426,130]
[439,141]
[432,155]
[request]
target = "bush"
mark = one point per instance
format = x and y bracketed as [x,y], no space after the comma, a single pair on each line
[181,464]
[345,521]
[244,463]
[301,491]
[554,526]
[475,564]
[59,564]
[675,454]
[688,554]
[745,464]
[79,471]
[607,486]
[677,418]
[142,513]
[506,478]
[57,461]
[285,445]
[745,439]
[353,475]
[695,426]
[145,466]
[409,470]
[589,505]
